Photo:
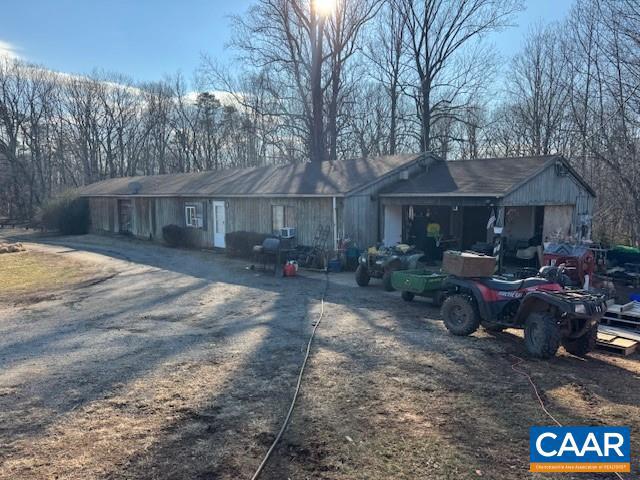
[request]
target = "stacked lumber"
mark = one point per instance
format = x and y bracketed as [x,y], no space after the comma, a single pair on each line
[11,247]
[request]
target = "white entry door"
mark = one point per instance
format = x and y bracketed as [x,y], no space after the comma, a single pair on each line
[392,225]
[218,224]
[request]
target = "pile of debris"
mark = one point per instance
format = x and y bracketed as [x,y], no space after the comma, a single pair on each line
[623,265]
[11,248]
[619,329]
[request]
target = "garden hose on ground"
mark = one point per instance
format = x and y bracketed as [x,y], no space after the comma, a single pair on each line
[297,390]
[535,390]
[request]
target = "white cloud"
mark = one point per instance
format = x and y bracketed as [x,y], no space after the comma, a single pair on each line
[8,50]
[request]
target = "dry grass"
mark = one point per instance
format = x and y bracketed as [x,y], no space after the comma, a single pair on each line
[183,368]
[25,275]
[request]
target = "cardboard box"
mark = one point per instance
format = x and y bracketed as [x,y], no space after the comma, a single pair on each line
[468,264]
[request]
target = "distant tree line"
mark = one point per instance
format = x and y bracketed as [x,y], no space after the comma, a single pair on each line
[363,78]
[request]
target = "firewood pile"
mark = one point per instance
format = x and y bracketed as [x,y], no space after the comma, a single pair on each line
[11,248]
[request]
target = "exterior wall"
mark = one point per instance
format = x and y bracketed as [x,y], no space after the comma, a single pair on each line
[103,212]
[149,215]
[170,211]
[548,189]
[305,214]
[362,219]
[558,221]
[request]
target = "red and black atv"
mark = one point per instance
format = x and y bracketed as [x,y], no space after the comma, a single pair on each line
[549,314]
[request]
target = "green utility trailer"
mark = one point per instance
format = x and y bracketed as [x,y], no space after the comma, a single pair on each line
[424,283]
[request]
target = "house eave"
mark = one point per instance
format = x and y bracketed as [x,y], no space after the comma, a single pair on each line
[436,195]
[209,195]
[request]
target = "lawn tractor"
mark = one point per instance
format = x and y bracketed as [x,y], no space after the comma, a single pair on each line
[381,262]
[550,314]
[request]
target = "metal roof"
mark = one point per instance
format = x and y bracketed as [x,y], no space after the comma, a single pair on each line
[330,178]
[484,177]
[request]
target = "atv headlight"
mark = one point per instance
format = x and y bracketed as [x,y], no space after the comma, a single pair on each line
[580,308]
[378,262]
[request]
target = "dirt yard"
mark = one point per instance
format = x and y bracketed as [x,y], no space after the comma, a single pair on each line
[181,365]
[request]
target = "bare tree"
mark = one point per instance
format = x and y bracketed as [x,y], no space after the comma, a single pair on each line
[287,39]
[386,51]
[441,36]
[539,91]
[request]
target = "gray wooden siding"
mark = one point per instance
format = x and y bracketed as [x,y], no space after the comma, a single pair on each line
[305,214]
[549,188]
[362,211]
[149,215]
[102,214]
[170,211]
[361,214]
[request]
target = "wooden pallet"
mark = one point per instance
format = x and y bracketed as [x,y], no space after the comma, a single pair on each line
[627,315]
[620,332]
[615,344]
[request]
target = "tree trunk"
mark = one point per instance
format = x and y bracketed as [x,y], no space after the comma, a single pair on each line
[426,116]
[317,123]
[394,122]
[332,117]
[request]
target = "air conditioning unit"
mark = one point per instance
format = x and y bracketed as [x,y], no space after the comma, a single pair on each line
[198,221]
[287,232]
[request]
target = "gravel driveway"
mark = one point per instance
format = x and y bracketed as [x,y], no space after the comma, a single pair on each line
[182,365]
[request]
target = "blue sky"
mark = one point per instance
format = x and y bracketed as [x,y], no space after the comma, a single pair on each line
[148,38]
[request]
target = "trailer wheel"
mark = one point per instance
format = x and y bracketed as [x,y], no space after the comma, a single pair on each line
[362,276]
[582,345]
[438,298]
[386,281]
[408,296]
[541,335]
[460,315]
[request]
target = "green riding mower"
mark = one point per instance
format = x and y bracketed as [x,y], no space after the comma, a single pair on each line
[381,262]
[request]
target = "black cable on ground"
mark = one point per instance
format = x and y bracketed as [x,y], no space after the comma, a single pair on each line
[297,390]
[535,390]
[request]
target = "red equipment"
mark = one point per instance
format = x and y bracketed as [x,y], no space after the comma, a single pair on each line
[577,259]
[289,270]
[549,314]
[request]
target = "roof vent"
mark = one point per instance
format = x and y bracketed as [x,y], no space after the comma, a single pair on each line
[135,187]
[404,175]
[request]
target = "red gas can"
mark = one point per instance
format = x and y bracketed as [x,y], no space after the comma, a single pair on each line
[289,270]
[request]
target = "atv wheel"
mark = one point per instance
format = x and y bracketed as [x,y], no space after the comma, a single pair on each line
[493,327]
[362,276]
[541,335]
[407,296]
[582,345]
[386,281]
[460,315]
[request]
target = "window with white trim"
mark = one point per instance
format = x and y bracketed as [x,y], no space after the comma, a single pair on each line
[190,216]
[194,215]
